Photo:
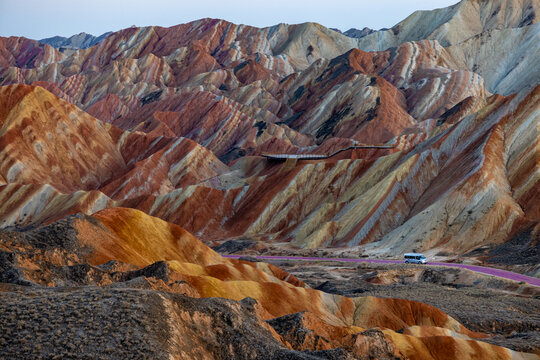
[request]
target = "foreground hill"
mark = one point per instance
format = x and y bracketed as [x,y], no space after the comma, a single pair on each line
[134,258]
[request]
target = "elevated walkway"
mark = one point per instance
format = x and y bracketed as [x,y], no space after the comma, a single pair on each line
[285,157]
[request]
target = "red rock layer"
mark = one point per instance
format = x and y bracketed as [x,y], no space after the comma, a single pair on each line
[239,91]
[45,140]
[220,76]
[382,200]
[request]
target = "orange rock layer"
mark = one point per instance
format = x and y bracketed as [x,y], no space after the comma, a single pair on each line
[454,186]
[132,237]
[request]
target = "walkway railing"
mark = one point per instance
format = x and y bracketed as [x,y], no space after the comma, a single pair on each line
[321,156]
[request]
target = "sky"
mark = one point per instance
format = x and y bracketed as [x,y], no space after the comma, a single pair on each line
[37,19]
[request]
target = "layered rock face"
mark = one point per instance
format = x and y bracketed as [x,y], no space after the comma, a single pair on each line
[150,276]
[117,158]
[417,195]
[459,22]
[172,122]
[487,37]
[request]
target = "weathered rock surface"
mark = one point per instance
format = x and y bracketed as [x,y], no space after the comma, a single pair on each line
[117,249]
[510,70]
[507,309]
[18,53]
[416,196]
[172,122]
[134,323]
[456,23]
[498,39]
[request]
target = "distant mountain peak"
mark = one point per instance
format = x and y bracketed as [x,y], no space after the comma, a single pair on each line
[358,34]
[81,40]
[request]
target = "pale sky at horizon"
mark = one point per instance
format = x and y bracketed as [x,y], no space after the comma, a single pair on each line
[38,19]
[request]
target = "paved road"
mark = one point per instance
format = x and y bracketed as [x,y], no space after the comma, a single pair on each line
[479,269]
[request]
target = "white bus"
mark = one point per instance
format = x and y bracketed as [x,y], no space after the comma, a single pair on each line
[415,258]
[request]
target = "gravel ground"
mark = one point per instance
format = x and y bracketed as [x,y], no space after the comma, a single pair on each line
[92,322]
[73,323]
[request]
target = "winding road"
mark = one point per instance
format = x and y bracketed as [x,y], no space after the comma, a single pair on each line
[479,269]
